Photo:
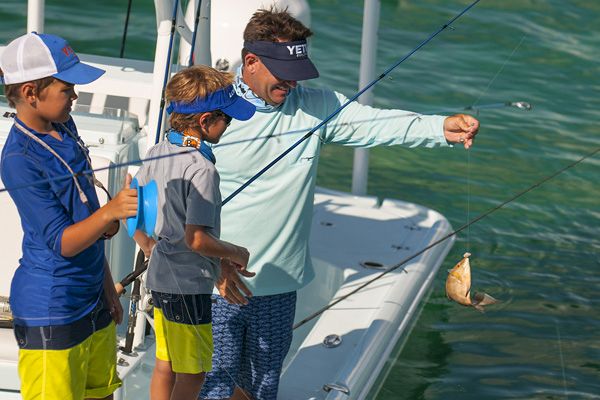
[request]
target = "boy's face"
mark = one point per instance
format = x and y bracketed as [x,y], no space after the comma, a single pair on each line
[216,128]
[54,102]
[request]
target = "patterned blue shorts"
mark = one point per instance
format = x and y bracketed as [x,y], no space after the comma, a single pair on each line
[250,344]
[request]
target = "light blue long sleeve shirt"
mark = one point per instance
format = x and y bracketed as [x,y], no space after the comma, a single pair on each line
[272,217]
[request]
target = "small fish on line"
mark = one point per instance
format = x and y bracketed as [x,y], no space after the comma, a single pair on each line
[458,286]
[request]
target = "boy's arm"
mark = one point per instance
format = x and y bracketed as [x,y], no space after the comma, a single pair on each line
[43,213]
[200,241]
[81,235]
[145,242]
[234,260]
[110,295]
[204,197]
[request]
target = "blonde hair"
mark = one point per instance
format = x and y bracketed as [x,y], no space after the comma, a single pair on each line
[189,84]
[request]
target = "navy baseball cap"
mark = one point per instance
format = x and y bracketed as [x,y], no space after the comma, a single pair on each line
[285,60]
[34,56]
[224,99]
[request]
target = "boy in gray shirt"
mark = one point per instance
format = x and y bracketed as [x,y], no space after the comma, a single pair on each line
[184,263]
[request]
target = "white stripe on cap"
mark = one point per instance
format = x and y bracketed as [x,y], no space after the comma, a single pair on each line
[39,53]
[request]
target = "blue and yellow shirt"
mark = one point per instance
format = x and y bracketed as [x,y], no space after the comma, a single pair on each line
[47,288]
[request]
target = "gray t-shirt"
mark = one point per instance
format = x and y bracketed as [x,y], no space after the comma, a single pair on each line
[188,193]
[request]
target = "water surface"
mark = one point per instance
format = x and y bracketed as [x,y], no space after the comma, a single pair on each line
[541,254]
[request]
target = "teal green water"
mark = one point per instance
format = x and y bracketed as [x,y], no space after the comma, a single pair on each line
[541,254]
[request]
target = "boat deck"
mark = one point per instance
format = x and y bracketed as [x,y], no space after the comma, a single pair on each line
[347,233]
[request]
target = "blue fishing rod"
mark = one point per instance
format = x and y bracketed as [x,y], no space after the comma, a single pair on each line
[353,98]
[127,15]
[193,45]
[446,237]
[167,69]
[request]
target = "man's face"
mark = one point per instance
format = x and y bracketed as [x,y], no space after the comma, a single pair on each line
[263,83]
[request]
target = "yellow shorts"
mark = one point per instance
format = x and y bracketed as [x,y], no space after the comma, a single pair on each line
[188,347]
[86,370]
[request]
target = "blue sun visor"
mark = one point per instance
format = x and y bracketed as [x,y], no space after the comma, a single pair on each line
[224,99]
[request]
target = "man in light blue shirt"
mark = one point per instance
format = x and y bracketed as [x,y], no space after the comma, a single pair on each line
[272,217]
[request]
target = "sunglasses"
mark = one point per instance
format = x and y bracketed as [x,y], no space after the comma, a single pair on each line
[220,114]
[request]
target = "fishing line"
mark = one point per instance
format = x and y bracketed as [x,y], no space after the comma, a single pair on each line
[521,105]
[498,72]
[449,235]
[350,100]
[167,69]
[562,359]
[468,199]
[91,171]
[322,123]
[517,104]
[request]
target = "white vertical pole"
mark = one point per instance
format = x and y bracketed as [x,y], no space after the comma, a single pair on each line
[164,10]
[202,54]
[368,54]
[35,16]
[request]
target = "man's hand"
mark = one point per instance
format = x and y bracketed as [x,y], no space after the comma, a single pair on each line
[461,128]
[229,283]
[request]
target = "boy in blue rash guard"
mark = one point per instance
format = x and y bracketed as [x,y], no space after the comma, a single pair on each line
[62,294]
[252,335]
[184,262]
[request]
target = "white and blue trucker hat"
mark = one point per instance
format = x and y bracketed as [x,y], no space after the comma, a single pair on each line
[35,56]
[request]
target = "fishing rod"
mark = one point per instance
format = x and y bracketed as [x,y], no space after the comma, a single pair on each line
[523,105]
[141,268]
[193,44]
[519,104]
[140,263]
[122,52]
[350,100]
[465,226]
[167,69]
[90,171]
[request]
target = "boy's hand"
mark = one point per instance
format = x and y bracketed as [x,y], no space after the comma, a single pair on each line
[229,283]
[111,297]
[114,306]
[240,258]
[124,204]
